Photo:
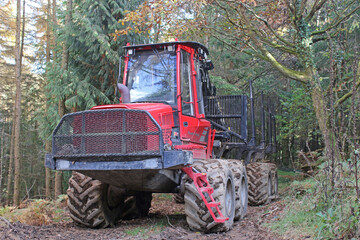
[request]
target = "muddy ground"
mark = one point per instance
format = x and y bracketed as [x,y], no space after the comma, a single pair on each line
[166,221]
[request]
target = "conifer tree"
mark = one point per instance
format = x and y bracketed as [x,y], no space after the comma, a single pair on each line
[17,106]
[84,72]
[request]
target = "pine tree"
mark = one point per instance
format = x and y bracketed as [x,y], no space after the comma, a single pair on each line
[84,72]
[17,107]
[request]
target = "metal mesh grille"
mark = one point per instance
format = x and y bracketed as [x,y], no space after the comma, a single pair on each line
[107,133]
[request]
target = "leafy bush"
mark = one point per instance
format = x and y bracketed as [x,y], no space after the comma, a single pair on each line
[322,207]
[37,212]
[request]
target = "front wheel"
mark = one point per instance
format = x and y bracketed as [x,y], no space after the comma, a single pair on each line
[221,178]
[92,203]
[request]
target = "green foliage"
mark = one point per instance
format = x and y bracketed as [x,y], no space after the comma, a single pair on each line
[37,212]
[92,70]
[286,178]
[297,117]
[146,231]
[223,87]
[314,211]
[164,196]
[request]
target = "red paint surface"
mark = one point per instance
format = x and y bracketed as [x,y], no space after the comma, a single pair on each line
[195,131]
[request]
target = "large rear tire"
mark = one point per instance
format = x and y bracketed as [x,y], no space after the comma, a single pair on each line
[220,177]
[260,183]
[241,188]
[91,203]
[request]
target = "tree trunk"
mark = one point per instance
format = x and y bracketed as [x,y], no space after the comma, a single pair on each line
[2,158]
[54,21]
[319,105]
[61,106]
[17,107]
[11,160]
[47,173]
[48,142]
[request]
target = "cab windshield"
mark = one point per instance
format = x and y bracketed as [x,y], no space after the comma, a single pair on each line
[151,76]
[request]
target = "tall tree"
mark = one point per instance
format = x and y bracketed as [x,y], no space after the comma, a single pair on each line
[283,33]
[61,104]
[17,105]
[48,142]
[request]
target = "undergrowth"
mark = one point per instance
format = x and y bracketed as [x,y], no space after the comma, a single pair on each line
[316,209]
[37,212]
[144,232]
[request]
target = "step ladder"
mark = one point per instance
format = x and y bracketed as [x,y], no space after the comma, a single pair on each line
[203,186]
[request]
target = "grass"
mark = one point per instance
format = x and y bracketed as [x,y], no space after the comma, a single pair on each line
[163,196]
[309,214]
[147,230]
[286,178]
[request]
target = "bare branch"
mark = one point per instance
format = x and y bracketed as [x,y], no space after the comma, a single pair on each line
[314,9]
[349,94]
[278,46]
[335,24]
[292,10]
[303,5]
[267,25]
[302,77]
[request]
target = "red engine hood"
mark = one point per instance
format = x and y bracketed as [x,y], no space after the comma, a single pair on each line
[161,112]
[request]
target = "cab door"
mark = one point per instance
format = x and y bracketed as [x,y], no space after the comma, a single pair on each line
[195,131]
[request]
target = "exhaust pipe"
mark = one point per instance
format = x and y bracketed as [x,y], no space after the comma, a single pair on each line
[125,93]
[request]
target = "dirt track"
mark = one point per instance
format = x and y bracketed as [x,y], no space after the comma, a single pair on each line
[166,221]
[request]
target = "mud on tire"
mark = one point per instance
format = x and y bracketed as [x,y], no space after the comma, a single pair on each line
[241,188]
[260,183]
[220,177]
[88,202]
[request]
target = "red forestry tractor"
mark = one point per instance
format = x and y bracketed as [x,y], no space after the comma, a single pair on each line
[169,134]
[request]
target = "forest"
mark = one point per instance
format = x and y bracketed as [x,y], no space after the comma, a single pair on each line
[62,56]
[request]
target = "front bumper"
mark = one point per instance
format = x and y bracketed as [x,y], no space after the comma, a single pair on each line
[175,159]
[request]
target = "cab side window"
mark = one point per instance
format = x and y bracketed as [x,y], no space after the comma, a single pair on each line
[200,100]
[187,103]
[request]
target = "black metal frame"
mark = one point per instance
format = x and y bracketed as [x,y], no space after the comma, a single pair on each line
[219,112]
[113,156]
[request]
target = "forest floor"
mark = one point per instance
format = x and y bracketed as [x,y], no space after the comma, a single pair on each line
[166,221]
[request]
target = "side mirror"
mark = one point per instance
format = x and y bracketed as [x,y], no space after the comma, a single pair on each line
[208,65]
[125,93]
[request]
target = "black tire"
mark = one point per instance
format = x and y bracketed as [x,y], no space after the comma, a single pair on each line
[178,197]
[88,202]
[260,183]
[220,177]
[137,206]
[143,203]
[241,188]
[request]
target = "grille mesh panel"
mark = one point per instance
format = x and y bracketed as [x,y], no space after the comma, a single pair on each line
[107,133]
[226,111]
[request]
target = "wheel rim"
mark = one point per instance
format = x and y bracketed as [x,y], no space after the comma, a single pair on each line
[269,186]
[243,195]
[229,198]
[276,184]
